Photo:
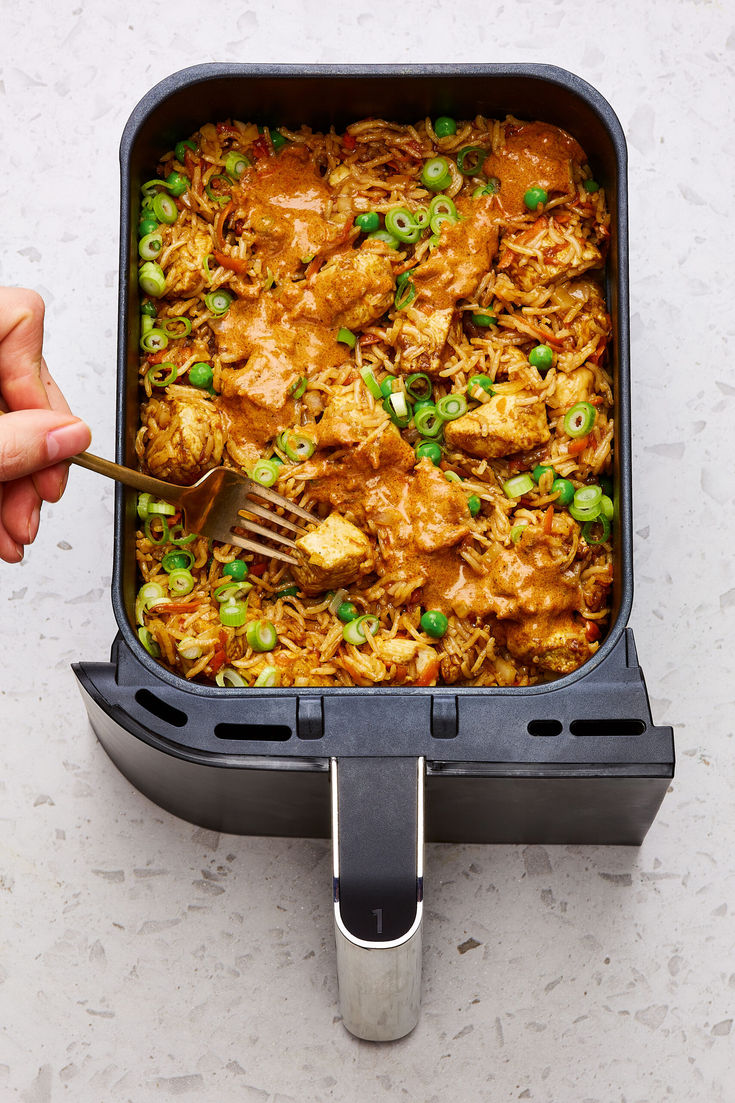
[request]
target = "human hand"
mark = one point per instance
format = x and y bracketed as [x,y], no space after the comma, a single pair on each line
[37,428]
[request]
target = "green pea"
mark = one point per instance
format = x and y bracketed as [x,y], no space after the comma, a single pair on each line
[386,387]
[430,450]
[177,183]
[565,489]
[539,471]
[347,612]
[147,226]
[535,197]
[237,569]
[474,504]
[445,126]
[201,375]
[483,320]
[541,357]
[368,221]
[591,186]
[434,623]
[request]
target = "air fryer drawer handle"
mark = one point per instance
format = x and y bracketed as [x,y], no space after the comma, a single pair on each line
[378,844]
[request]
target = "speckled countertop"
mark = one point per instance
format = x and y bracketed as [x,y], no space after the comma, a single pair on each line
[142,958]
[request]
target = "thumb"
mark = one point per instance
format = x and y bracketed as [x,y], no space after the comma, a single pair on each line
[33,439]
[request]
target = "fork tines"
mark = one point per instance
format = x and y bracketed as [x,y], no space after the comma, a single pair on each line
[251,509]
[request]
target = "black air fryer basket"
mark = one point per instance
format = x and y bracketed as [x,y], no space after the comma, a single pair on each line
[382,769]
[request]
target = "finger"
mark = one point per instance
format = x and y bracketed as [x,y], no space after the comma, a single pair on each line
[21,341]
[9,550]
[20,511]
[33,439]
[53,391]
[51,482]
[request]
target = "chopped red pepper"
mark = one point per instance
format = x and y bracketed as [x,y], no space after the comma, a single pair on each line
[234,264]
[429,673]
[548,520]
[369,339]
[260,148]
[349,142]
[218,659]
[177,607]
[257,569]
[591,631]
[576,446]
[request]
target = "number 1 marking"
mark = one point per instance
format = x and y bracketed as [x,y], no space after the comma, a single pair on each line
[378,913]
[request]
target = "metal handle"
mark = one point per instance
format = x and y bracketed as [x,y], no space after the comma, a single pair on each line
[378,845]
[126,475]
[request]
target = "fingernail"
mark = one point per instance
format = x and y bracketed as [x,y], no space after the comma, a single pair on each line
[19,549]
[67,441]
[64,481]
[33,524]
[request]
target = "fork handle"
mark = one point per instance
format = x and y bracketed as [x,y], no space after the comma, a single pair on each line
[168,491]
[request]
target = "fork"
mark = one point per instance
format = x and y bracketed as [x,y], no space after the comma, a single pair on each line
[213,506]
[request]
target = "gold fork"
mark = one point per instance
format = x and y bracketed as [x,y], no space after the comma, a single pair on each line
[214,505]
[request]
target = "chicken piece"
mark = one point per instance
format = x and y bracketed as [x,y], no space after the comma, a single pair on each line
[547,251]
[267,379]
[437,508]
[183,437]
[570,388]
[250,427]
[335,554]
[452,271]
[346,422]
[505,424]
[184,266]
[535,155]
[557,644]
[530,577]
[352,290]
[419,338]
[397,650]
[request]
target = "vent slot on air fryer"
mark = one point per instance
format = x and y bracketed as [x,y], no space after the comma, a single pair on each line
[170,715]
[607,727]
[256,733]
[545,727]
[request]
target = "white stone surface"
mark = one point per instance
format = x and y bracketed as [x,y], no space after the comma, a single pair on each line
[142,958]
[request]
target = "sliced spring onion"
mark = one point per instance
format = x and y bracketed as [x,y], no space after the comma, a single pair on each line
[400,222]
[452,477]
[419,386]
[438,221]
[435,174]
[150,246]
[470,160]
[288,591]
[386,237]
[162,509]
[218,196]
[265,472]
[421,218]
[149,643]
[337,598]
[579,420]
[146,324]
[176,535]
[516,533]
[218,302]
[148,595]
[148,528]
[236,163]
[427,421]
[480,388]
[232,590]
[181,581]
[233,614]
[299,387]
[492,186]
[579,513]
[355,632]
[177,561]
[442,204]
[518,485]
[405,294]
[149,310]
[144,500]
[298,446]
[588,497]
[176,327]
[346,337]
[155,340]
[164,208]
[269,676]
[261,635]
[371,382]
[589,526]
[160,375]
[451,406]
[228,676]
[151,279]
[386,386]
[396,407]
[607,509]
